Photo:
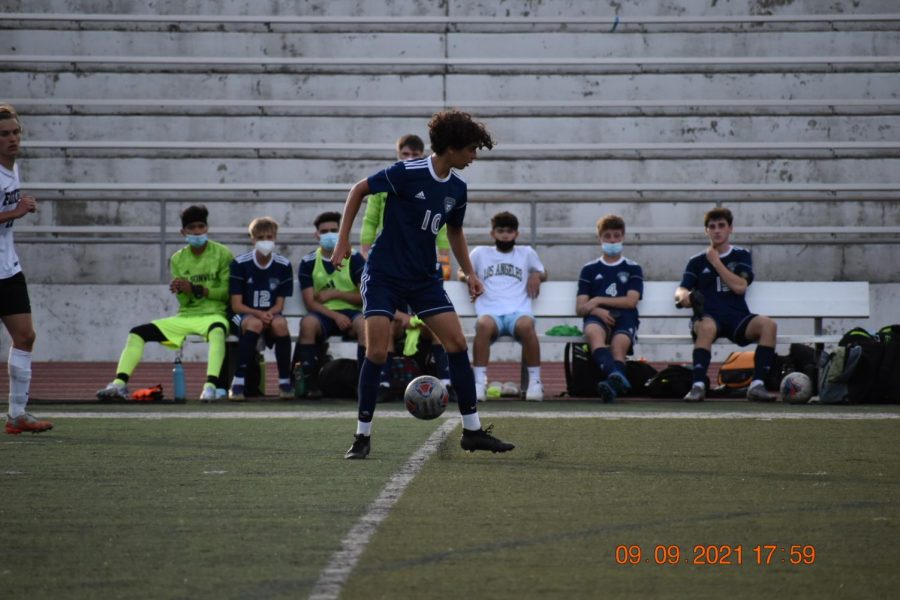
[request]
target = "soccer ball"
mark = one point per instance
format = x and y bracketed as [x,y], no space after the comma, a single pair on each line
[426,397]
[796,388]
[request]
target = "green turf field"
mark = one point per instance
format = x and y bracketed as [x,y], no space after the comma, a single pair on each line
[257,507]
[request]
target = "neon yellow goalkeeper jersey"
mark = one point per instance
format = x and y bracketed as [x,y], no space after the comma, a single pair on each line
[211,270]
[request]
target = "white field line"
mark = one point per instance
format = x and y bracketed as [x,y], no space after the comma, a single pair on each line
[608,415]
[335,574]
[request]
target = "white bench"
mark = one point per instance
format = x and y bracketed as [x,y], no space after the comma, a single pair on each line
[806,300]
[811,300]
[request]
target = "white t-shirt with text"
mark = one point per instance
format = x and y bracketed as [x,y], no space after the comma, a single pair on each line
[505,275]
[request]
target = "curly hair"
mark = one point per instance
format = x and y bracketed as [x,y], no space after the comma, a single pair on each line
[456,129]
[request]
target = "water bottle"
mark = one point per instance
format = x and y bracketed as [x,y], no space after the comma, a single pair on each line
[299,382]
[178,381]
[262,374]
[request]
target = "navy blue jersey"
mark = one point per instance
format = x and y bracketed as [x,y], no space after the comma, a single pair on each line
[308,263]
[611,280]
[418,204]
[718,297]
[258,286]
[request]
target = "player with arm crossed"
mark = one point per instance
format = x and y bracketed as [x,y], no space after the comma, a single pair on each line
[609,289]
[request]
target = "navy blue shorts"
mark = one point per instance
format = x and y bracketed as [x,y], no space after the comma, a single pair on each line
[732,326]
[329,327]
[267,337]
[383,296]
[626,324]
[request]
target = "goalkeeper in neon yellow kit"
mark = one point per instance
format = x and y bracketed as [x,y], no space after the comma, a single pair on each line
[200,274]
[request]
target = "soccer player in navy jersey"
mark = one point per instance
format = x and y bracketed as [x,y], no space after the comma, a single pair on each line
[332,298]
[609,289]
[423,195]
[713,285]
[259,282]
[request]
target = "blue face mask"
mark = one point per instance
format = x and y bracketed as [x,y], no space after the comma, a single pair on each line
[196,241]
[612,248]
[328,240]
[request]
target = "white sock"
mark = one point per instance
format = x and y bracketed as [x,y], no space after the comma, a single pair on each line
[480,374]
[285,381]
[471,422]
[237,381]
[19,369]
[364,428]
[534,374]
[698,384]
[756,382]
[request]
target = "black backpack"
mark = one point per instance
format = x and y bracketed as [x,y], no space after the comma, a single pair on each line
[582,374]
[863,385]
[888,376]
[639,372]
[339,378]
[672,382]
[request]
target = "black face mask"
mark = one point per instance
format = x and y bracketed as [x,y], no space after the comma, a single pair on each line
[504,246]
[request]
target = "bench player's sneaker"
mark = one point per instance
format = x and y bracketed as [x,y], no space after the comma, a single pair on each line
[236,394]
[535,392]
[759,393]
[606,392]
[209,393]
[697,393]
[482,439]
[113,393]
[26,422]
[619,383]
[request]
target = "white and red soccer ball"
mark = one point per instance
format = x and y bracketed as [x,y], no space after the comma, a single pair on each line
[426,397]
[796,388]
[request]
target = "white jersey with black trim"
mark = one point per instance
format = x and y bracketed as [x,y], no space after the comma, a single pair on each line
[9,187]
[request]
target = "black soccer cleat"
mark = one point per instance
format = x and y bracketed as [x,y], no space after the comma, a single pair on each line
[360,448]
[483,440]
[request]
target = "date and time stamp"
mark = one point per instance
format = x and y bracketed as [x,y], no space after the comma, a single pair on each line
[715,554]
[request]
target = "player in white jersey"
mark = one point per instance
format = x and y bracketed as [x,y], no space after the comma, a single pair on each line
[15,307]
[512,276]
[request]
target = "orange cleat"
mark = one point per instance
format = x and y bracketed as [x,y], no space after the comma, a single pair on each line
[26,422]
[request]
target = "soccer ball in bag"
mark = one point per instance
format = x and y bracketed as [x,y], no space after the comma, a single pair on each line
[426,397]
[796,388]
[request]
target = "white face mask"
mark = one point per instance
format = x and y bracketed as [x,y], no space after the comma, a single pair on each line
[265,247]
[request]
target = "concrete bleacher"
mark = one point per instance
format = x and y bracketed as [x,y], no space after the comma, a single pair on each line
[656,110]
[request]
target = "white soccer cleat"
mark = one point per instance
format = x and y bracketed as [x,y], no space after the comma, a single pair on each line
[535,392]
